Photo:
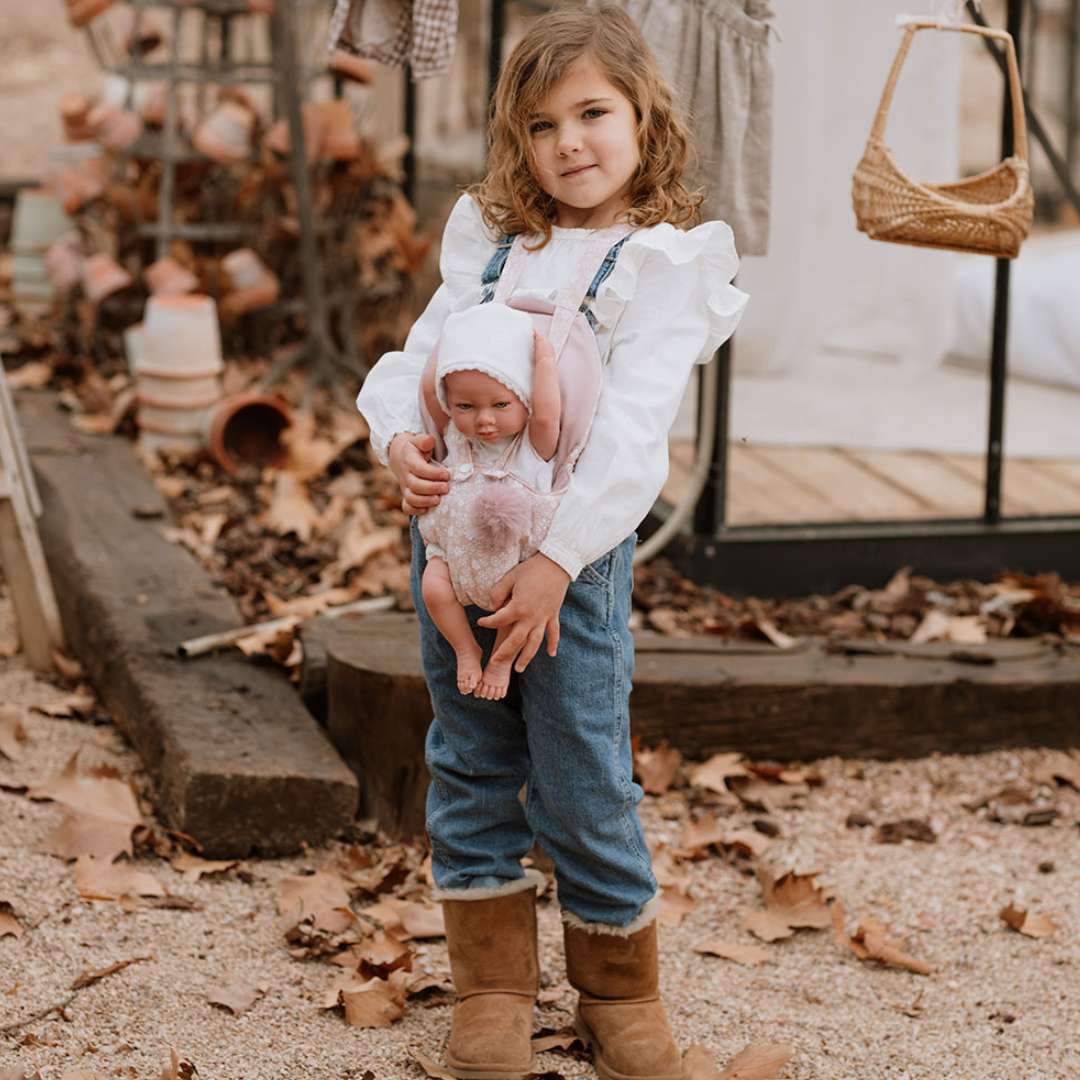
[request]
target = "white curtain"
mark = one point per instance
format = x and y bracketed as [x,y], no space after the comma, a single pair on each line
[823,283]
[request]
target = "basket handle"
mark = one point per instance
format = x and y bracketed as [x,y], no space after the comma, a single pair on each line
[1020,140]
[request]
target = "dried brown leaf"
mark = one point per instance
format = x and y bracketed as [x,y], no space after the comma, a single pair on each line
[322,897]
[657,768]
[88,977]
[758,1061]
[741,954]
[376,1003]
[675,905]
[96,879]
[12,732]
[193,867]
[407,919]
[431,1068]
[9,924]
[797,898]
[291,509]
[97,792]
[85,834]
[1028,923]
[767,925]
[713,773]
[237,996]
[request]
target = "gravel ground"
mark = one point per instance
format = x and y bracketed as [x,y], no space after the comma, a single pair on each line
[998,1005]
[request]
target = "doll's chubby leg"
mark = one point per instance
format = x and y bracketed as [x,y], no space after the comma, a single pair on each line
[449,616]
[496,678]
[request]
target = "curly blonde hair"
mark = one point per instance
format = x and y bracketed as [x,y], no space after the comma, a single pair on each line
[510,198]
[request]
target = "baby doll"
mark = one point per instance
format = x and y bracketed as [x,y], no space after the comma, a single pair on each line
[493,395]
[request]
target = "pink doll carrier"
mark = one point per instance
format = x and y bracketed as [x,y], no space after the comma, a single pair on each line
[476,562]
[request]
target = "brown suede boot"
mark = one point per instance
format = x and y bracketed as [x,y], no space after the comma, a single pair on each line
[619,1009]
[493,960]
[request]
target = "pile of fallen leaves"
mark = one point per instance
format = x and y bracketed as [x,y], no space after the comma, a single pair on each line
[910,607]
[365,901]
[704,795]
[324,528]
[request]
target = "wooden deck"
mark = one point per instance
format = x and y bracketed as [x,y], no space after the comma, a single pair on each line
[787,484]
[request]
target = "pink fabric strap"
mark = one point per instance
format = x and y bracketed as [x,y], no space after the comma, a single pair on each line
[570,296]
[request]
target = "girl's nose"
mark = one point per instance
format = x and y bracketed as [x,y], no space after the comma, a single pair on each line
[569,141]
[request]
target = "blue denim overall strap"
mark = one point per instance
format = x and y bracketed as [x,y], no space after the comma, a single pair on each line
[493,271]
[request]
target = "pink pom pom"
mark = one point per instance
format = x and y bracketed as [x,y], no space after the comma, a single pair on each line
[503,514]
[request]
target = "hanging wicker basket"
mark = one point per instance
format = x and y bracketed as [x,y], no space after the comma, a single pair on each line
[989,214]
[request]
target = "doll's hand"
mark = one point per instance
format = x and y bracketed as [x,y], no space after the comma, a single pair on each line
[528,600]
[543,353]
[422,482]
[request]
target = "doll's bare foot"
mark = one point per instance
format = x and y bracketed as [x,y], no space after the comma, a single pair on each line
[469,668]
[495,682]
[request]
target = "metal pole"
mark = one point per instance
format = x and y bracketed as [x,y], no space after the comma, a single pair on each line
[315,312]
[1072,79]
[496,30]
[408,162]
[999,350]
[710,514]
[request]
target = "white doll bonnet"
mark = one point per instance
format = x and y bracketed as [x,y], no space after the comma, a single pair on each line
[491,338]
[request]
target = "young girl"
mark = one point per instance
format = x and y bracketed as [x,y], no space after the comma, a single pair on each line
[494,398]
[585,146]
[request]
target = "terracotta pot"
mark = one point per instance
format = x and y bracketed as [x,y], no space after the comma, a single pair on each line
[74,110]
[276,139]
[63,264]
[170,389]
[225,134]
[151,443]
[169,420]
[351,67]
[103,276]
[78,185]
[80,12]
[135,346]
[167,277]
[39,220]
[246,429]
[145,39]
[252,285]
[181,334]
[115,128]
[154,105]
[340,142]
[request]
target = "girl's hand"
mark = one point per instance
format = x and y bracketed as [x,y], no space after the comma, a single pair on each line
[528,600]
[422,482]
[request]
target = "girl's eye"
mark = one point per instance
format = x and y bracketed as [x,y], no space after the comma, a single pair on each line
[539,126]
[594,112]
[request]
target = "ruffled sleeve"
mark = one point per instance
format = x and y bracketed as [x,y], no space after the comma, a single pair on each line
[467,247]
[672,304]
[703,259]
[389,398]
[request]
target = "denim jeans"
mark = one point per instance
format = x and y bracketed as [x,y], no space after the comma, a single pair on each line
[562,731]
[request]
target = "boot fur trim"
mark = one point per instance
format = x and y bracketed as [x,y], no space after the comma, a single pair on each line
[648,913]
[533,879]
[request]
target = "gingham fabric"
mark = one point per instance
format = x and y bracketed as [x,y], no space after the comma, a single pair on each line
[419,33]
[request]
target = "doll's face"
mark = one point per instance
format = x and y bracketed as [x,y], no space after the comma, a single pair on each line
[482,408]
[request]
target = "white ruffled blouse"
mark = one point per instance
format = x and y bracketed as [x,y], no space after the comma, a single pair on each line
[667,305]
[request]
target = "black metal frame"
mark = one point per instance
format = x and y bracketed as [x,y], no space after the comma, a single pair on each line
[813,557]
[808,557]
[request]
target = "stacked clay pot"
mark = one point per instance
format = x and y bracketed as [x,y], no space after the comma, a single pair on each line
[38,223]
[175,355]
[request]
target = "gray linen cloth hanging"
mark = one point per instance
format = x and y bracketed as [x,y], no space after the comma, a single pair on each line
[716,55]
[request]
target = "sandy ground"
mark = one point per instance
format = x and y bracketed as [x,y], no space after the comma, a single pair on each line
[998,1005]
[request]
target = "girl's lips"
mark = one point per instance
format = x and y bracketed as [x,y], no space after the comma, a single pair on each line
[578,171]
